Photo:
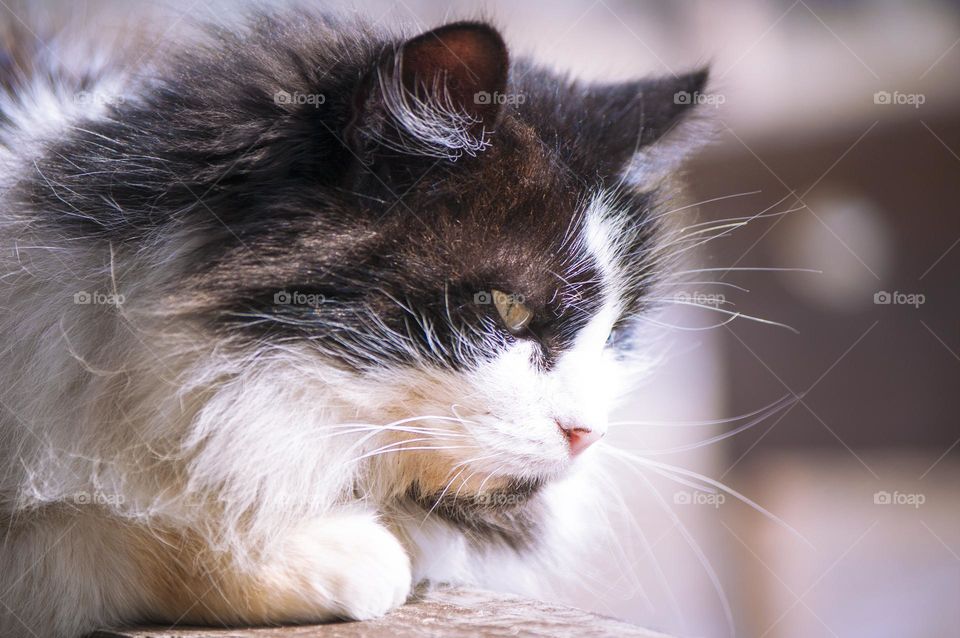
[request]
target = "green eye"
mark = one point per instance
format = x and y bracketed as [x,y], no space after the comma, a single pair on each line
[513,312]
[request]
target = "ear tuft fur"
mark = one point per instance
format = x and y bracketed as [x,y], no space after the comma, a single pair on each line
[431,97]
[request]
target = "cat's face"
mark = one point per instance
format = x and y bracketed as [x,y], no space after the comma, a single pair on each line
[464,239]
[523,380]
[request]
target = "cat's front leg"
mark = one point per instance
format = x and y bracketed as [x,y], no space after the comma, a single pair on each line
[62,575]
[346,566]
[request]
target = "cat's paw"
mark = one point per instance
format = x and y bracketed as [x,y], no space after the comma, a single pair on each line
[354,567]
[375,575]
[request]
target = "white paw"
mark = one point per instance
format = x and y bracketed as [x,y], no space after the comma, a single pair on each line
[355,568]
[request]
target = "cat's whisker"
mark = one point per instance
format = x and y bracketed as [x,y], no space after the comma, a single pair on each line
[445,435]
[732,222]
[443,493]
[490,475]
[720,230]
[686,302]
[377,430]
[465,481]
[788,403]
[350,428]
[674,470]
[669,326]
[687,238]
[463,465]
[688,424]
[738,220]
[746,218]
[703,202]
[614,491]
[707,283]
[696,549]
[748,269]
[465,423]
[735,315]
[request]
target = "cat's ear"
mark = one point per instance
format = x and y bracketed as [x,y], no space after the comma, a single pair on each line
[432,96]
[644,130]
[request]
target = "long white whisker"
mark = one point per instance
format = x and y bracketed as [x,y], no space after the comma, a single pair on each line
[354,428]
[736,314]
[748,269]
[439,498]
[701,203]
[375,432]
[685,424]
[672,469]
[789,403]
[696,549]
[707,283]
[661,324]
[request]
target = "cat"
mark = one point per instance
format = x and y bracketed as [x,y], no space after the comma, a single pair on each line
[304,314]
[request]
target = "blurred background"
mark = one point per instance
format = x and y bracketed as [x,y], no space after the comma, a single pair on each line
[847,114]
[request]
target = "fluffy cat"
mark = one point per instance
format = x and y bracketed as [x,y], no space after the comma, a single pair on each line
[306,314]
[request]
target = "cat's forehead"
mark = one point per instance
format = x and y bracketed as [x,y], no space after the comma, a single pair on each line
[528,240]
[518,199]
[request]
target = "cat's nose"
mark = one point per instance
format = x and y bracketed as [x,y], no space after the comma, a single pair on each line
[578,438]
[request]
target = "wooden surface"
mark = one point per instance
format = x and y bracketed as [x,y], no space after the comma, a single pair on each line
[446,614]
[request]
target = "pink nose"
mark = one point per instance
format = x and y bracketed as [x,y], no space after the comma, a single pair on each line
[579,438]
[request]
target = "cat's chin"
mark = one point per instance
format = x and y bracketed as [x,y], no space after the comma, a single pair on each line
[504,495]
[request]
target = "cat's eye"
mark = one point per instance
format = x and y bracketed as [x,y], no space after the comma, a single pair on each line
[514,313]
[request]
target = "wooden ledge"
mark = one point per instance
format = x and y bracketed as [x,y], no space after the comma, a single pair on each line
[452,613]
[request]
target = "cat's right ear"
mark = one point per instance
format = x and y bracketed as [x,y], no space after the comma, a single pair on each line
[642,131]
[433,96]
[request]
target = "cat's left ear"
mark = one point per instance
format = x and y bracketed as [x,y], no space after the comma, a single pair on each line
[644,130]
[432,96]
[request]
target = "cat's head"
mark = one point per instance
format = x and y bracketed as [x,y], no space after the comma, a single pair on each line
[474,256]
[462,239]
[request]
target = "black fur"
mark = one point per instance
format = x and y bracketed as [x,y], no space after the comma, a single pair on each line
[299,198]
[509,516]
